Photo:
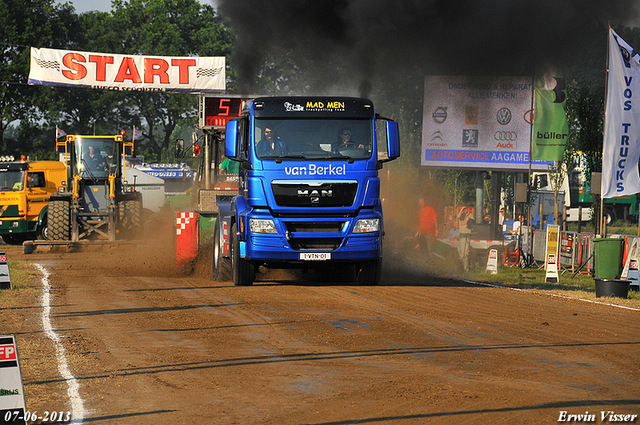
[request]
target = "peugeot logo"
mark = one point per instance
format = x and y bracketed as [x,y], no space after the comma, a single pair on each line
[506,136]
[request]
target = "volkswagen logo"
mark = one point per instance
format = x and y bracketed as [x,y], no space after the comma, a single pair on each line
[506,136]
[503,116]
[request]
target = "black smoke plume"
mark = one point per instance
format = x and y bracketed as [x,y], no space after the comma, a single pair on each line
[371,39]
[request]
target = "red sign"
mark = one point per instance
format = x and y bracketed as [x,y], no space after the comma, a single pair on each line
[7,352]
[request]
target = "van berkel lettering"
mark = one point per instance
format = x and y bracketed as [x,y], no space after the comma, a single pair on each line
[316,170]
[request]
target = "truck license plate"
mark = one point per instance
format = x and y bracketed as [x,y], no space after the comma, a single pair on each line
[315,256]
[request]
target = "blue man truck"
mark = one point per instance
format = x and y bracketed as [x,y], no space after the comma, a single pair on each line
[309,196]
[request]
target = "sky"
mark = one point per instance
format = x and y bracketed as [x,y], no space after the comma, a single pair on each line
[102,5]
[87,5]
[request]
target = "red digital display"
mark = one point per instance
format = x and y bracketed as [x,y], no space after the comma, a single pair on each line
[219,110]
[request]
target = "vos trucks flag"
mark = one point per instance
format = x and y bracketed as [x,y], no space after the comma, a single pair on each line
[550,128]
[67,68]
[621,144]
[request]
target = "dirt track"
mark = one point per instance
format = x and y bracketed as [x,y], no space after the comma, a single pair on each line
[150,344]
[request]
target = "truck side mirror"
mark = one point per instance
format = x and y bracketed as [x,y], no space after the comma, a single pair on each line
[388,141]
[231,143]
[393,140]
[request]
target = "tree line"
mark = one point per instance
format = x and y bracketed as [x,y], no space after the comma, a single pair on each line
[30,113]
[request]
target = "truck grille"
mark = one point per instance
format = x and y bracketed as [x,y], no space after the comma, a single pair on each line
[313,244]
[306,226]
[314,194]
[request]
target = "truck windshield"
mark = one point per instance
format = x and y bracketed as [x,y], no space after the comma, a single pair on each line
[313,139]
[95,157]
[11,180]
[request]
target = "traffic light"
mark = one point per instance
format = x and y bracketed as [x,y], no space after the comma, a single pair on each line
[196,150]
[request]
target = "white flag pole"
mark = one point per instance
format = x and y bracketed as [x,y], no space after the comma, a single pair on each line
[602,225]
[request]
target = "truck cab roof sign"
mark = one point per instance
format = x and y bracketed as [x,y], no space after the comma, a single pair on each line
[308,107]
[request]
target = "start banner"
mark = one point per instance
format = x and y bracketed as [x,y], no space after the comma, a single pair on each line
[53,67]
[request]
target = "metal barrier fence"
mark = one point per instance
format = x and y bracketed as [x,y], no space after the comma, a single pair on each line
[576,251]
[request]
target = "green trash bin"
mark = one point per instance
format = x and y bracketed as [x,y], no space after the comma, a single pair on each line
[608,257]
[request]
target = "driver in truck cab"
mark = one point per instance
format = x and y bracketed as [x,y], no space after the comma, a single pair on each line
[345,141]
[93,159]
[271,144]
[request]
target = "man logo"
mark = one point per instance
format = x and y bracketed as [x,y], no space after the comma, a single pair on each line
[503,116]
[314,195]
[506,136]
[439,115]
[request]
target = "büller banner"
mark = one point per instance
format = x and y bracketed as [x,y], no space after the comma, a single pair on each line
[621,144]
[68,68]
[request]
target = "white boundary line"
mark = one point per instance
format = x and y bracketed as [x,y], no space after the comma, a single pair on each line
[549,294]
[77,405]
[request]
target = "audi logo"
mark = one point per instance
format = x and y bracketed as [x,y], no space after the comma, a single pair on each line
[506,136]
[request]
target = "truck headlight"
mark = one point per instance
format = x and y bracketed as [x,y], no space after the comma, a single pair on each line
[261,225]
[367,225]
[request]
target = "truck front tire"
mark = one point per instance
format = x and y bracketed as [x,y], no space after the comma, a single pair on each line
[243,271]
[221,265]
[370,272]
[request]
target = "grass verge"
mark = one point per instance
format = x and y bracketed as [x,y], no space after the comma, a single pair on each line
[580,286]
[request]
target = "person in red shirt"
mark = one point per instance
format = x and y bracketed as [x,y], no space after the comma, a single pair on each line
[428,227]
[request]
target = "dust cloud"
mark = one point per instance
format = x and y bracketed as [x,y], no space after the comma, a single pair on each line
[401,187]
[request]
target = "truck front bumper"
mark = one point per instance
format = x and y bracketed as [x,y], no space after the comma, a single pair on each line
[300,237]
[355,247]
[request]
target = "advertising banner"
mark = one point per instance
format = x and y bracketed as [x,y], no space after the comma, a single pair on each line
[478,123]
[68,68]
[551,129]
[621,144]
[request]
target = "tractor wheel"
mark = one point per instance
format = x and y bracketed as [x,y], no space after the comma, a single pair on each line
[243,271]
[370,272]
[221,265]
[129,214]
[59,221]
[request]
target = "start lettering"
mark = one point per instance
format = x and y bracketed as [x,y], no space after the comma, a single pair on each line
[154,68]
